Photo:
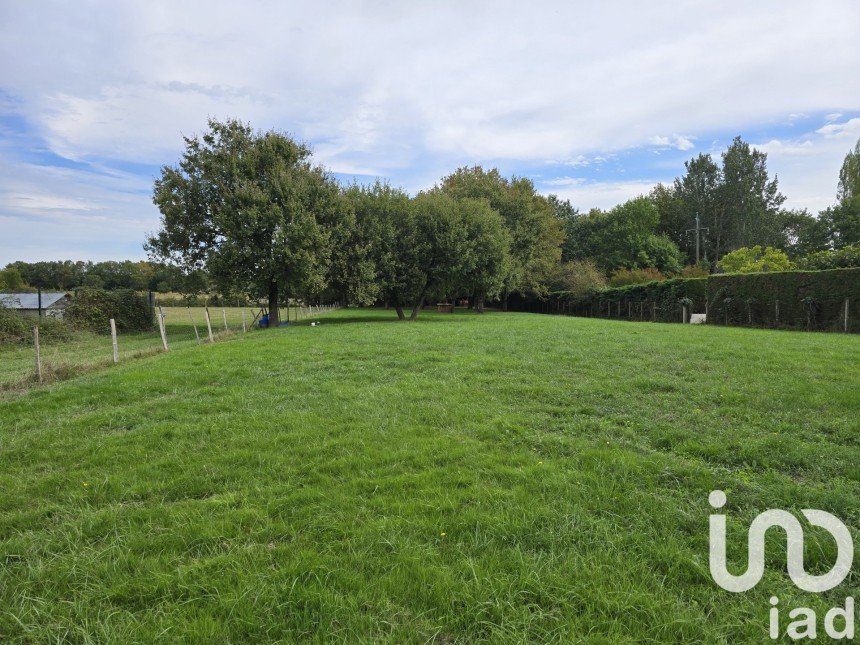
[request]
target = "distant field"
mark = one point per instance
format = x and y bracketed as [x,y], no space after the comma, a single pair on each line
[506,477]
[91,351]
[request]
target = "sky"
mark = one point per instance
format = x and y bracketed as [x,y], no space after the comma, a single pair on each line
[595,102]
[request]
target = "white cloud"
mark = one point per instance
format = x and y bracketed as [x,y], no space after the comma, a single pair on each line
[675,141]
[410,90]
[586,195]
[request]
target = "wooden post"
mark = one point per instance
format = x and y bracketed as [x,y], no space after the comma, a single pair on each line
[776,313]
[191,318]
[113,340]
[684,313]
[641,315]
[38,353]
[224,314]
[244,328]
[161,328]
[845,324]
[653,312]
[209,324]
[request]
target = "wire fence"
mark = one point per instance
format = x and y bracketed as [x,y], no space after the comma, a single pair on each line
[24,365]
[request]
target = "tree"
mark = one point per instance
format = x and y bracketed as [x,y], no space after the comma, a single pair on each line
[624,237]
[10,279]
[251,210]
[697,193]
[749,199]
[384,259]
[486,252]
[578,278]
[535,234]
[755,260]
[566,215]
[849,175]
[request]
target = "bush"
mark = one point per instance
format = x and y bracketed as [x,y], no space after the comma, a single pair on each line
[92,309]
[16,328]
[695,271]
[623,277]
[755,260]
[847,257]
[579,278]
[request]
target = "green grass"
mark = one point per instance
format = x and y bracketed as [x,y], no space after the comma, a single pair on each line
[504,477]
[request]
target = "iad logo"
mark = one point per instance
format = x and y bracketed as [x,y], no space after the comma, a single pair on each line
[806,626]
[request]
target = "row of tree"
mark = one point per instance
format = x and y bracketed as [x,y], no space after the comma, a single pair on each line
[249,213]
[66,275]
[262,219]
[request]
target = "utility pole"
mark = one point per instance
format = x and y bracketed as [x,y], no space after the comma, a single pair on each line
[698,231]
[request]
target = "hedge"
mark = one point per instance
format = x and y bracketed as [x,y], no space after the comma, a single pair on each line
[810,300]
[92,309]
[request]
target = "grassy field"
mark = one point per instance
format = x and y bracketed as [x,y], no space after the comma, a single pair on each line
[86,352]
[504,477]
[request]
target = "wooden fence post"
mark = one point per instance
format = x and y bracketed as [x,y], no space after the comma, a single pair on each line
[776,313]
[244,328]
[113,340]
[191,318]
[38,353]
[161,328]
[845,324]
[209,324]
[684,313]
[224,314]
[653,312]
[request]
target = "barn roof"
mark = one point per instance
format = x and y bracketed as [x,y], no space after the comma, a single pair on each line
[31,300]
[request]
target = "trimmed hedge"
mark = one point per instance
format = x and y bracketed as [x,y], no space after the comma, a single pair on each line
[811,300]
[92,309]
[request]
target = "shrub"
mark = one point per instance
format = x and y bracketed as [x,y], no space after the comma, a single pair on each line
[92,309]
[16,328]
[622,277]
[847,257]
[578,278]
[755,260]
[695,271]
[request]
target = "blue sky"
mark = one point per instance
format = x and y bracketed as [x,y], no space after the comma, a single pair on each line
[594,102]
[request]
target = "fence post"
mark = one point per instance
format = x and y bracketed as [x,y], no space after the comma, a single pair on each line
[224,314]
[113,340]
[845,324]
[244,328]
[684,313]
[191,318]
[161,328]
[38,353]
[653,312]
[776,316]
[209,324]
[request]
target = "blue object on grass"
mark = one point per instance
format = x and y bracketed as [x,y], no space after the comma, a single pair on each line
[264,321]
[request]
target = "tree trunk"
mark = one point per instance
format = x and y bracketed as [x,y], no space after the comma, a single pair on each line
[479,303]
[274,317]
[505,301]
[400,314]
[419,305]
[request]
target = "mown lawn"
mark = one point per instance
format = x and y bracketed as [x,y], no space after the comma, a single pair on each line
[504,477]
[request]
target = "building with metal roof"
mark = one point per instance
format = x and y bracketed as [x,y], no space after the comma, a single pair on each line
[53,303]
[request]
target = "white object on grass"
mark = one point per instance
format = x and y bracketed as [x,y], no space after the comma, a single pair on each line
[697,319]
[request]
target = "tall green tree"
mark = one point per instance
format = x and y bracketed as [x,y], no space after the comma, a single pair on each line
[849,175]
[535,233]
[749,199]
[251,209]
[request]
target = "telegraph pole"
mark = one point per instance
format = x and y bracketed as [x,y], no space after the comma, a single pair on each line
[697,231]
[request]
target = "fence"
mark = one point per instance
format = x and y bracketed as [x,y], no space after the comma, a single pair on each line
[47,359]
[802,300]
